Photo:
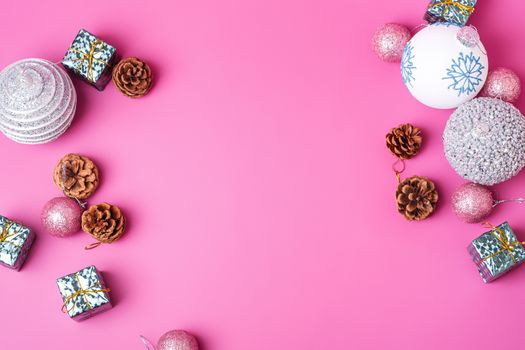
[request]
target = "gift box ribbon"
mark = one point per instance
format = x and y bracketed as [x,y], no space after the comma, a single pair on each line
[96,45]
[465,9]
[5,235]
[82,292]
[506,245]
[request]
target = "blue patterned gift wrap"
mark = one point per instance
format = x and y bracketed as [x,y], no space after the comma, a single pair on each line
[15,242]
[91,59]
[496,252]
[456,12]
[84,293]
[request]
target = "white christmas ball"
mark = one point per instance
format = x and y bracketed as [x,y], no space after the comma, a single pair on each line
[37,101]
[442,71]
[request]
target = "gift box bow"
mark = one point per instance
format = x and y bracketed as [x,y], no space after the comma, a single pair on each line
[458,11]
[89,55]
[82,291]
[507,245]
[12,234]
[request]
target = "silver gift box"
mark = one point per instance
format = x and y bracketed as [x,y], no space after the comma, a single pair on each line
[91,59]
[15,242]
[84,293]
[496,252]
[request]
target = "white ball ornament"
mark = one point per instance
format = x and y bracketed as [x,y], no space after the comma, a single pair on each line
[37,101]
[444,65]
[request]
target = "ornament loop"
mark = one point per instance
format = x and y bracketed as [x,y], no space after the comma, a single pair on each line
[398,167]
[147,343]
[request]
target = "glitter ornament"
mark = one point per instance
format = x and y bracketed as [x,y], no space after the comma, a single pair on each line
[61,216]
[502,83]
[484,141]
[174,340]
[472,202]
[444,65]
[389,40]
[37,101]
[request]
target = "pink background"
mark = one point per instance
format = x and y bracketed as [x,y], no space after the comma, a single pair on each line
[256,182]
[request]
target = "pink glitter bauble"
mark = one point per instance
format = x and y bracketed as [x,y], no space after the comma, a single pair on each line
[502,83]
[61,216]
[177,340]
[389,41]
[472,202]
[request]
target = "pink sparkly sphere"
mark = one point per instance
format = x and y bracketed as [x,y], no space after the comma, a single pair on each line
[389,41]
[502,83]
[472,202]
[177,340]
[61,216]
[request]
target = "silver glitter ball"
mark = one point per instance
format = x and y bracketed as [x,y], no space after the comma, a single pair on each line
[37,101]
[484,140]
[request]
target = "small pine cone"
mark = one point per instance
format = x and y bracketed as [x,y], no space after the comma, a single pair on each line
[416,198]
[76,175]
[105,222]
[132,77]
[404,141]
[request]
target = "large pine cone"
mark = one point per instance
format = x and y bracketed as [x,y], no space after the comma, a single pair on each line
[416,198]
[105,222]
[132,77]
[404,141]
[76,175]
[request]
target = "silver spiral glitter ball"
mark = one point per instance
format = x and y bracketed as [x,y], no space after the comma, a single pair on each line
[484,141]
[37,101]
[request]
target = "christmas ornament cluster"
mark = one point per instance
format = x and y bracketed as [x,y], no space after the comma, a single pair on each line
[38,99]
[444,65]
[37,105]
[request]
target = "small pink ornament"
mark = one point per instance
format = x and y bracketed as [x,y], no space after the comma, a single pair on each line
[61,216]
[468,36]
[389,41]
[174,340]
[472,202]
[502,83]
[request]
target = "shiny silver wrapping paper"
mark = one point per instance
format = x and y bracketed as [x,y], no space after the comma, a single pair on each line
[91,300]
[15,242]
[490,255]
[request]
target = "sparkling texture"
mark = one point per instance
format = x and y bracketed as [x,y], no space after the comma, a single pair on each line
[84,305]
[61,216]
[37,101]
[468,36]
[15,244]
[484,141]
[491,257]
[389,40]
[502,83]
[177,340]
[472,202]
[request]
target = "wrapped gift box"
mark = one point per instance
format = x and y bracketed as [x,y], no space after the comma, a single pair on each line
[91,59]
[454,12]
[496,252]
[15,242]
[84,293]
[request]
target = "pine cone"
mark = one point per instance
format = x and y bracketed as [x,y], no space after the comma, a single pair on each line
[416,198]
[132,77]
[404,141]
[76,175]
[105,222]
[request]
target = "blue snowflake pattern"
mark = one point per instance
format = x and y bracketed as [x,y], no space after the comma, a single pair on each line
[407,65]
[465,73]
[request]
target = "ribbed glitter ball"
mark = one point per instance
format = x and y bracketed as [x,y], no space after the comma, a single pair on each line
[502,83]
[484,141]
[177,340]
[472,202]
[389,40]
[37,101]
[61,216]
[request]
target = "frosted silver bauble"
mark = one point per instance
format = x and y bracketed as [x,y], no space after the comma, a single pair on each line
[484,140]
[37,101]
